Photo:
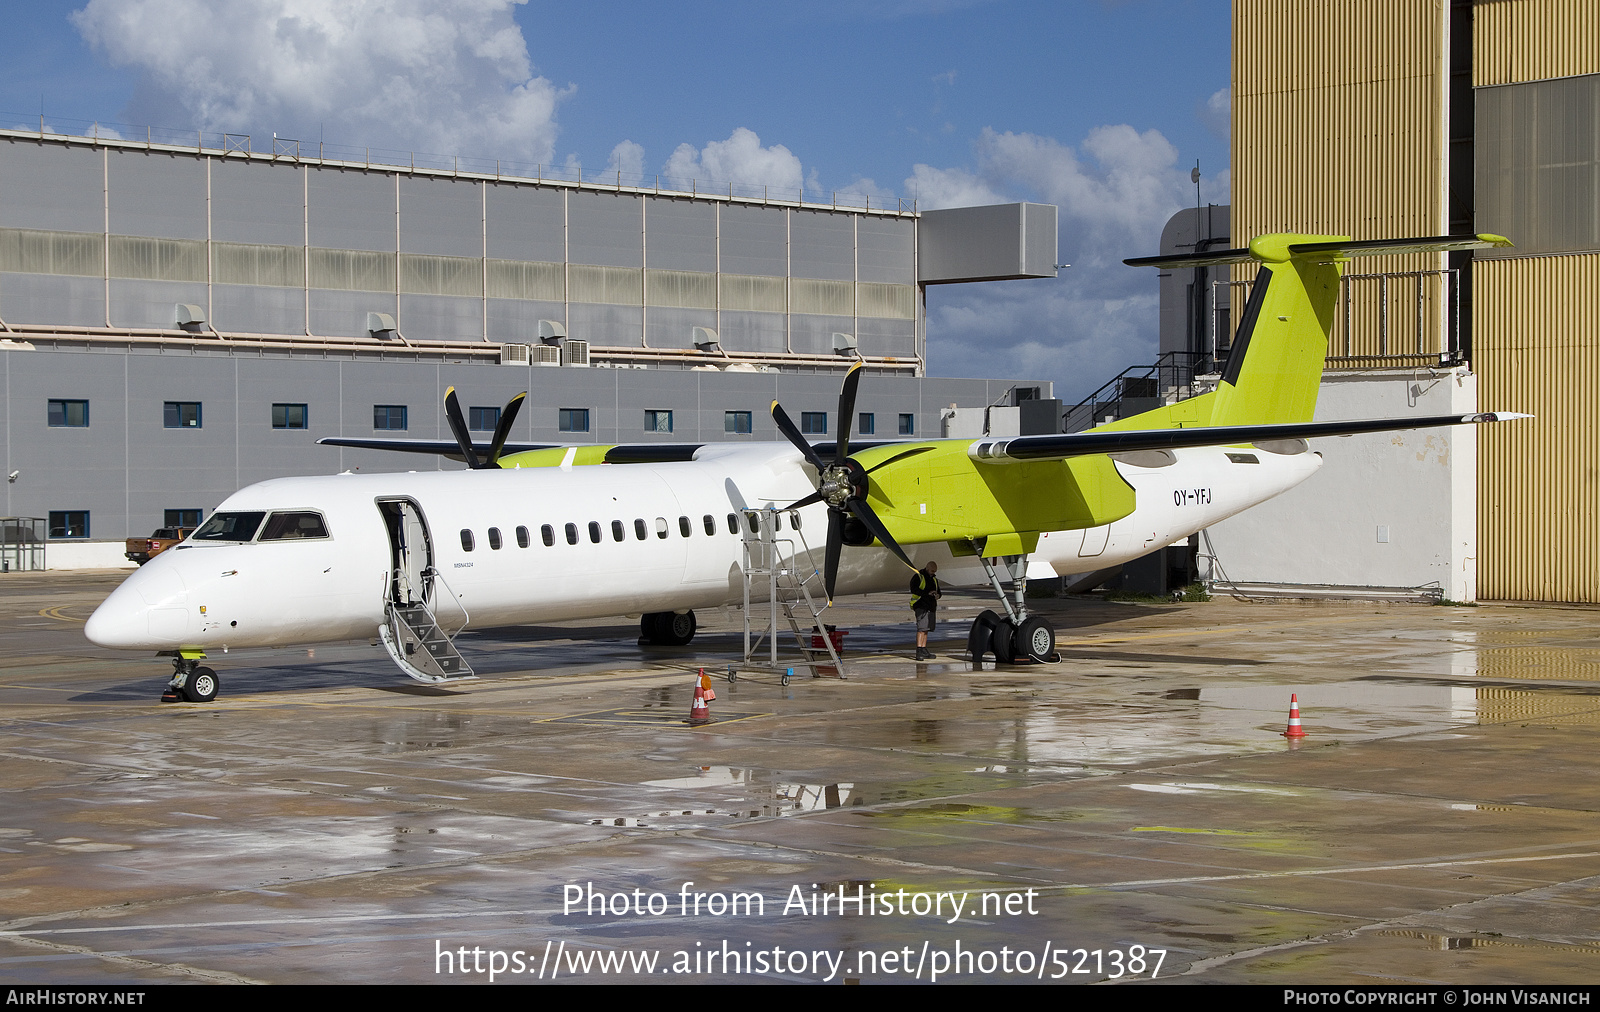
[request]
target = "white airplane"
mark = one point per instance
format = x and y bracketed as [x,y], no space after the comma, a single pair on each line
[547,534]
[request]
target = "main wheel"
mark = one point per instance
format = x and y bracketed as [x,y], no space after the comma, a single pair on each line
[1005,646]
[1036,639]
[201,686]
[653,627]
[679,628]
[980,638]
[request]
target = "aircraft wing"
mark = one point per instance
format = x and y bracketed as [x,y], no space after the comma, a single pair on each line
[1078,444]
[446,447]
[1335,250]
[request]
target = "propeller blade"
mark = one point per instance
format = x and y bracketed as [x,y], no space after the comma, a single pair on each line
[802,503]
[863,513]
[787,427]
[458,427]
[847,412]
[830,566]
[508,415]
[898,456]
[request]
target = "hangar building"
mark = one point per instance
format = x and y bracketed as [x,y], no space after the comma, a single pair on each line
[182,316]
[1378,119]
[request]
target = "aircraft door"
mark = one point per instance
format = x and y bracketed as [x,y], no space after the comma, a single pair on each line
[410,550]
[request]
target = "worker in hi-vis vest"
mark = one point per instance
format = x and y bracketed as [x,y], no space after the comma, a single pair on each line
[925,606]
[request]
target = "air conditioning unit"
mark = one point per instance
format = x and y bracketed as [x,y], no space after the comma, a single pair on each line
[574,352]
[545,354]
[514,354]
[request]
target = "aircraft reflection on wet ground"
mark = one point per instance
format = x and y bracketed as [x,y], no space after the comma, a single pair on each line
[325,821]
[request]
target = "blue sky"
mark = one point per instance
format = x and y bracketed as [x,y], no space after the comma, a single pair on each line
[1099,107]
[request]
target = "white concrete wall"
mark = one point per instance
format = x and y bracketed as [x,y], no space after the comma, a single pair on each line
[86,555]
[1418,486]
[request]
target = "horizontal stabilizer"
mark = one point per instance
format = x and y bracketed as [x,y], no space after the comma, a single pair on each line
[1078,444]
[1339,249]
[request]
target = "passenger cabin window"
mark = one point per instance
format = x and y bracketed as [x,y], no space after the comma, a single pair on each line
[733,523]
[684,527]
[572,534]
[661,527]
[494,538]
[230,527]
[640,531]
[1244,458]
[710,523]
[294,526]
[751,522]
[466,540]
[523,541]
[618,532]
[548,535]
[594,532]
[794,519]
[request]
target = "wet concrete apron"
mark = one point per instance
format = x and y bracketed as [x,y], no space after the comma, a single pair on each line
[327,821]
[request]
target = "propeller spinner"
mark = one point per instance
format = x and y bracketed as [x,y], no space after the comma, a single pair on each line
[842,482]
[458,427]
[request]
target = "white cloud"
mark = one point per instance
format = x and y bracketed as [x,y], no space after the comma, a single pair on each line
[740,159]
[628,159]
[443,76]
[1217,113]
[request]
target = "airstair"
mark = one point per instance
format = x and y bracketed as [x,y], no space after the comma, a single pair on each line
[774,569]
[420,645]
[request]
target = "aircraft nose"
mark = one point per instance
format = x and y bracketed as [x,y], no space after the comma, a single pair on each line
[149,609]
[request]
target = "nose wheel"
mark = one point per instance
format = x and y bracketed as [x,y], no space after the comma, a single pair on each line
[192,682]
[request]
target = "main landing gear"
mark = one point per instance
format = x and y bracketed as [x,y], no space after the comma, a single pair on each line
[667,628]
[192,682]
[1016,637]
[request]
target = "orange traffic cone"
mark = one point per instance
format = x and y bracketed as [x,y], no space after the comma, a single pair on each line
[705,686]
[698,712]
[1295,730]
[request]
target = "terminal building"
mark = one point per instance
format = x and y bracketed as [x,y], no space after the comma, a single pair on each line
[179,318]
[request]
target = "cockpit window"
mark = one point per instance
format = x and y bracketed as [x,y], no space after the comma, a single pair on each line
[288,526]
[229,527]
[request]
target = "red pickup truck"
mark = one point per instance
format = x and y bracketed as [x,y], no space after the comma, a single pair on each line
[142,550]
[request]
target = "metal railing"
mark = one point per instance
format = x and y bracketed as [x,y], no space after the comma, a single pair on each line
[1141,387]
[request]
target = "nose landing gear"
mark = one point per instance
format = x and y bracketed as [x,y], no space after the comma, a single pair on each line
[192,682]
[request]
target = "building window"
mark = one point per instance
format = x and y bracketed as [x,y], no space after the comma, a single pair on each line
[288,416]
[69,524]
[483,419]
[867,423]
[69,414]
[736,421]
[573,420]
[182,415]
[658,421]
[389,416]
[814,423]
[908,424]
[181,518]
